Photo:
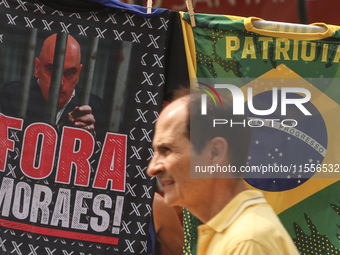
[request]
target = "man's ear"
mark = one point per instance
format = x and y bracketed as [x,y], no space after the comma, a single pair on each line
[36,67]
[218,147]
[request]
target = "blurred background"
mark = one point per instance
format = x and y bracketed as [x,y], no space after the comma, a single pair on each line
[293,11]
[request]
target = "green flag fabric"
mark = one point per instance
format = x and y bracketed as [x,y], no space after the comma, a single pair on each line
[267,59]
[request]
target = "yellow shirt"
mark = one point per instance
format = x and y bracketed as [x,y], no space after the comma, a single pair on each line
[247,225]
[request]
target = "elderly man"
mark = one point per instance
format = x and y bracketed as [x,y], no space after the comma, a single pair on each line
[236,220]
[69,111]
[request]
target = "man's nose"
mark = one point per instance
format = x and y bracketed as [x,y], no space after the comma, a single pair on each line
[155,167]
[62,82]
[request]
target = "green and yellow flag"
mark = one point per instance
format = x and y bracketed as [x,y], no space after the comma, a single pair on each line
[299,144]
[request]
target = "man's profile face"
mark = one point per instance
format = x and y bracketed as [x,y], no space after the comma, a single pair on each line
[71,71]
[171,161]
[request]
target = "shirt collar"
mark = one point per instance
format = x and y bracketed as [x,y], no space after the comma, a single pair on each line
[234,208]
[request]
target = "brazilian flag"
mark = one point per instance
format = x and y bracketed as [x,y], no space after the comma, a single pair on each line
[269,57]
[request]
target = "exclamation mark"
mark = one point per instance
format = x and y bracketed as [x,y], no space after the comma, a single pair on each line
[118,215]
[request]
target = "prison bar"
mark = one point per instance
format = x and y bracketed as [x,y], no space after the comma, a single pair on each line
[27,68]
[89,71]
[3,30]
[117,93]
[56,78]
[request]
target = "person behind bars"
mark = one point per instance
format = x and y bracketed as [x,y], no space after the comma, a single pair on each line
[69,112]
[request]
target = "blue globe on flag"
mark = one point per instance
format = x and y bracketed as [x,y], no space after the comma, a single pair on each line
[286,150]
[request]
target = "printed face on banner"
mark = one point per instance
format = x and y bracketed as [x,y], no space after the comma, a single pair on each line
[71,69]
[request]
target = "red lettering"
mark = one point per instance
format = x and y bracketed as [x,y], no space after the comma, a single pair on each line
[111,166]
[76,149]
[6,144]
[39,145]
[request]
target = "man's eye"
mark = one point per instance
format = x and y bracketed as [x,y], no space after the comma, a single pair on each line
[69,73]
[165,150]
